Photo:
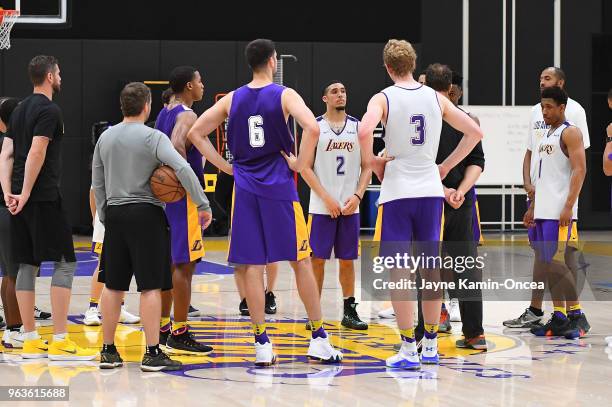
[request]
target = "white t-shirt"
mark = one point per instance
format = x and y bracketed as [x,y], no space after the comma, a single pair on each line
[574,113]
[337,164]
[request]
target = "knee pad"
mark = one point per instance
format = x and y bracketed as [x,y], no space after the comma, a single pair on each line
[26,277]
[63,274]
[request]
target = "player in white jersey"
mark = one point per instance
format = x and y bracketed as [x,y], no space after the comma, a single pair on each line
[412,196]
[560,174]
[91,317]
[338,184]
[575,114]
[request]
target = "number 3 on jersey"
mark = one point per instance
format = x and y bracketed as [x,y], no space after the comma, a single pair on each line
[256,132]
[419,126]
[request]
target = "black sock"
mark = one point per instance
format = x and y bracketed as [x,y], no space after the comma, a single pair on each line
[536,311]
[109,348]
[14,327]
[153,350]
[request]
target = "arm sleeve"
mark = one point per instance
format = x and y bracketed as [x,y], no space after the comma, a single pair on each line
[164,151]
[48,120]
[476,157]
[98,183]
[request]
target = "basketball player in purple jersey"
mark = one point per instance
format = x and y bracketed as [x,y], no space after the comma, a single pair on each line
[267,220]
[412,196]
[175,120]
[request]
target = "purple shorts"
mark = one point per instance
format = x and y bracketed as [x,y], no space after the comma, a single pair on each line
[340,234]
[266,230]
[185,231]
[403,221]
[548,234]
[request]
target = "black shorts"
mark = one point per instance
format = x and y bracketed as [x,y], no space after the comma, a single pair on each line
[8,267]
[136,243]
[41,232]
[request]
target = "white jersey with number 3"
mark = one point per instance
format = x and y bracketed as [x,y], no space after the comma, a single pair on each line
[412,136]
[337,164]
[553,174]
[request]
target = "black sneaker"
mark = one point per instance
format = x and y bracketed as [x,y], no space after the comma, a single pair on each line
[556,326]
[193,312]
[41,315]
[186,342]
[270,303]
[578,327]
[243,308]
[163,336]
[159,362]
[2,323]
[110,359]
[351,319]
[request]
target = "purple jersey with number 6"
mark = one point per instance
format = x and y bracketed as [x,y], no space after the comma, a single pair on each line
[256,134]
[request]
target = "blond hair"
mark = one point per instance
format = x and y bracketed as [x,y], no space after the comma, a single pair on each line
[400,57]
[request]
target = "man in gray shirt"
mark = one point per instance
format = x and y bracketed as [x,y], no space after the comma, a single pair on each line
[137,239]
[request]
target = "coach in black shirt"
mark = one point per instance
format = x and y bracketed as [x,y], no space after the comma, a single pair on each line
[458,235]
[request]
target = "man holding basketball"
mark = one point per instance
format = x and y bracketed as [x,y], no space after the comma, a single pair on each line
[175,120]
[137,239]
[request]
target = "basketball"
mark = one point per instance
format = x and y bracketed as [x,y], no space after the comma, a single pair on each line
[165,185]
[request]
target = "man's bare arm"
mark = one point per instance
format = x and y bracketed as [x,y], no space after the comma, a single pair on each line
[179,139]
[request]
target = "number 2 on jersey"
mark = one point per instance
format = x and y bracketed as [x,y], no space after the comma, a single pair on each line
[256,132]
[419,126]
[340,167]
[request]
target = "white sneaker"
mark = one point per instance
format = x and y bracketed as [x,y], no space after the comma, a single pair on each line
[127,318]
[92,317]
[453,310]
[406,358]
[13,339]
[429,352]
[321,349]
[387,313]
[264,355]
[609,340]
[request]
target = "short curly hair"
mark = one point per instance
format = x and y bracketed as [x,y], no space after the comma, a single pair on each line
[400,57]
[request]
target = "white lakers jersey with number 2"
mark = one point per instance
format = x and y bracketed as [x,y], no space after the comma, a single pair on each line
[337,163]
[412,136]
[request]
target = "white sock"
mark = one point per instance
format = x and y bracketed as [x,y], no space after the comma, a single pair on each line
[59,337]
[31,336]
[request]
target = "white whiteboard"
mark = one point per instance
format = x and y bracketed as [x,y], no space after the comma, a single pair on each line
[505,134]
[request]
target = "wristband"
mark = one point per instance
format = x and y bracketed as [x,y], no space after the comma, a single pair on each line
[358,197]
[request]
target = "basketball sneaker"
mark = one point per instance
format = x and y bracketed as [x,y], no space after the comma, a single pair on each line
[270,303]
[126,318]
[526,320]
[445,322]
[243,308]
[35,349]
[578,327]
[264,355]
[68,350]
[556,326]
[321,349]
[406,358]
[186,342]
[193,312]
[110,358]
[13,339]
[351,319]
[429,353]
[159,362]
[163,336]
[478,343]
[92,317]
[2,323]
[608,340]
[41,315]
[453,310]
[387,313]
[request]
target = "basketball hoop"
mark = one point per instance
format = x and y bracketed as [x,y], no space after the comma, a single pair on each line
[7,19]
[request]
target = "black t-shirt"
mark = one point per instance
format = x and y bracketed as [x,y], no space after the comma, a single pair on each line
[449,140]
[36,116]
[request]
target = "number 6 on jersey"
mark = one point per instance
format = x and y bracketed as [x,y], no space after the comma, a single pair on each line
[256,132]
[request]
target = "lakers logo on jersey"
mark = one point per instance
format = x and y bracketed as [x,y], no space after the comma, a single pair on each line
[340,145]
[197,246]
[304,245]
[546,148]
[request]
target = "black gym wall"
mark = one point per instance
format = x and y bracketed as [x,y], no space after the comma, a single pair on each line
[99,50]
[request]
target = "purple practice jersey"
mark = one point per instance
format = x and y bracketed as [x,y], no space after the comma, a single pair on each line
[256,134]
[166,119]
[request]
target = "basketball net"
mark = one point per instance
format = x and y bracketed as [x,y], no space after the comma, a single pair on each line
[7,19]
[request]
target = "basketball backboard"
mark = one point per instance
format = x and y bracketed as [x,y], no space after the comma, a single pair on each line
[50,12]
